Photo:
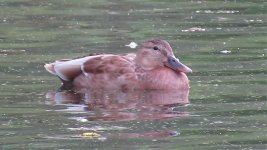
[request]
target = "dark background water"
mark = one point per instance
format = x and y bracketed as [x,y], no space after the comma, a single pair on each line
[224,42]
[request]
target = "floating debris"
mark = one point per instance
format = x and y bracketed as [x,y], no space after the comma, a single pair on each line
[90,135]
[11,50]
[252,20]
[217,11]
[225,51]
[194,29]
[132,45]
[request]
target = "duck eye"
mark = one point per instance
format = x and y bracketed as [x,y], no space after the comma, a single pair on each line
[155,48]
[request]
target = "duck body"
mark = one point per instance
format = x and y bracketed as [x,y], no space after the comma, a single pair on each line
[153,67]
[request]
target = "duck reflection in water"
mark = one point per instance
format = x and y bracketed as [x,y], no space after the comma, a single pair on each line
[123,105]
[118,106]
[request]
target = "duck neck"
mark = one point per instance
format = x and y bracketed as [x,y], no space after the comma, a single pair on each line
[144,62]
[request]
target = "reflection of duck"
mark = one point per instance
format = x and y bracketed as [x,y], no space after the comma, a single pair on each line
[153,67]
[117,105]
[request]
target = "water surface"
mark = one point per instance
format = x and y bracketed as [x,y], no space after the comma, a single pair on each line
[223,41]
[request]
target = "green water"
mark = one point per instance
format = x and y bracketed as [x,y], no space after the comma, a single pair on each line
[223,41]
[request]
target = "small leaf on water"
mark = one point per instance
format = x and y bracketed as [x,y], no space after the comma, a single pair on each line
[132,45]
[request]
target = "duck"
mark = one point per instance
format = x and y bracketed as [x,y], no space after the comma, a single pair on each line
[153,67]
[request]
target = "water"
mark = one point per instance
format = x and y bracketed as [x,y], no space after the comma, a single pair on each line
[224,42]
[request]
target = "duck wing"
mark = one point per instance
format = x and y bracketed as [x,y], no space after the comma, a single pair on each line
[115,65]
[111,65]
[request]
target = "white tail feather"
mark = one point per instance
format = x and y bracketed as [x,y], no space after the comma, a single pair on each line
[50,68]
[67,69]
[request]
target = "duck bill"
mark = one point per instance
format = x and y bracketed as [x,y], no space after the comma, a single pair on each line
[176,65]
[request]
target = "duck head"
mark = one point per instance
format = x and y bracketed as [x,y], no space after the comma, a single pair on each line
[157,53]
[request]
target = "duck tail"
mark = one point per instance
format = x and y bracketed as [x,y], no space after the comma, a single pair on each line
[66,69]
[50,68]
[66,84]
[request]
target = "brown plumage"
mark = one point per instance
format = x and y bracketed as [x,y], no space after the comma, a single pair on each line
[154,66]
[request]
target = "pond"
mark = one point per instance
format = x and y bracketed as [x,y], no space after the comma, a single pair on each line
[223,41]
